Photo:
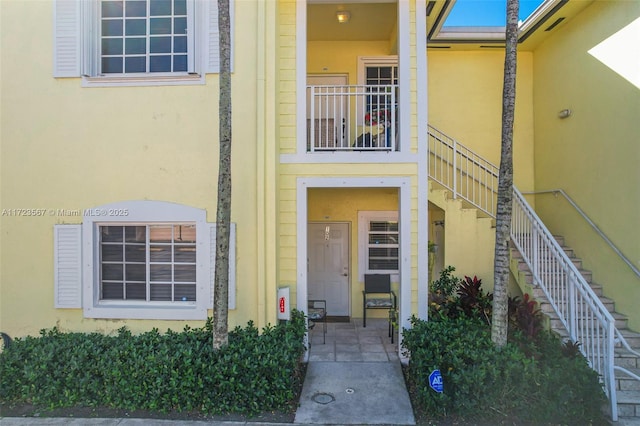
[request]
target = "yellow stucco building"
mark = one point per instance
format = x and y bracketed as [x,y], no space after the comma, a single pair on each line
[109,155]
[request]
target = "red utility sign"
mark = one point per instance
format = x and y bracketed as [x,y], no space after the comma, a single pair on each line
[282,303]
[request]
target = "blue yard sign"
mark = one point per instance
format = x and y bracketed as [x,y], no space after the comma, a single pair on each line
[435,381]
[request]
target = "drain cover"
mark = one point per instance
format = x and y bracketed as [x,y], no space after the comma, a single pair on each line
[323,398]
[349,391]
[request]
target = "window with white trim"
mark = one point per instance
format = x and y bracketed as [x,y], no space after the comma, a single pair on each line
[139,260]
[144,36]
[148,262]
[137,42]
[379,242]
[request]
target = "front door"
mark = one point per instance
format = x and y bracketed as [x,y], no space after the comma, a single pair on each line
[328,249]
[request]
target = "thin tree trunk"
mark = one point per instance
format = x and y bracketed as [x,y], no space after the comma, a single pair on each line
[505,182]
[223,214]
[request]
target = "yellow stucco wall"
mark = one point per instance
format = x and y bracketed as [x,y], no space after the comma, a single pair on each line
[465,102]
[342,56]
[466,241]
[594,154]
[69,147]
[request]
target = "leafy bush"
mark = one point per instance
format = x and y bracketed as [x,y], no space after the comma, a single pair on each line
[488,384]
[176,371]
[473,301]
[452,297]
[525,315]
[447,284]
[442,293]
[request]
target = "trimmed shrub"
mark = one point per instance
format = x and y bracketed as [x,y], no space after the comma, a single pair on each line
[489,384]
[175,371]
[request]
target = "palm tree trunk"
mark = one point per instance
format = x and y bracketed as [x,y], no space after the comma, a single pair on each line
[223,214]
[505,182]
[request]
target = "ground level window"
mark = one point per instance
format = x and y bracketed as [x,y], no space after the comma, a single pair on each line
[378,237]
[148,262]
[383,245]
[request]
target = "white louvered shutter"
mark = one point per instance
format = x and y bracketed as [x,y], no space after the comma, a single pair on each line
[67,258]
[212,64]
[232,263]
[212,60]
[66,38]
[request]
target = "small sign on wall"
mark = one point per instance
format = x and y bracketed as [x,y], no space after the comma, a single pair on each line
[284,313]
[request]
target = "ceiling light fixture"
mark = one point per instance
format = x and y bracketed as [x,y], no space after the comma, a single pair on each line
[343,16]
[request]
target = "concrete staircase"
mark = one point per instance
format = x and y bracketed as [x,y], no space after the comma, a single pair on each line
[628,389]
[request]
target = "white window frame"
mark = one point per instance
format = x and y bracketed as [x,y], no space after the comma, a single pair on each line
[364,218]
[142,212]
[76,46]
[77,262]
[145,246]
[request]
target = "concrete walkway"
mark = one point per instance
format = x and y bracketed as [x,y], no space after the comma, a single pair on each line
[354,393]
[354,377]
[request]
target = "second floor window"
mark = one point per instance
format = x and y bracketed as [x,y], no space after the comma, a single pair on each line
[137,42]
[144,36]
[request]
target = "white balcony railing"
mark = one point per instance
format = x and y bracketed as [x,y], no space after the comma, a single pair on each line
[352,118]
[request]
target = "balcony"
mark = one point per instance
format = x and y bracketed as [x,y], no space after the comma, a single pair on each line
[352,118]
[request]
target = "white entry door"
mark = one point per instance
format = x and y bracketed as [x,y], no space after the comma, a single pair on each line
[328,279]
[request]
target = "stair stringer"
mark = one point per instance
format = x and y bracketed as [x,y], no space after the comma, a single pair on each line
[469,236]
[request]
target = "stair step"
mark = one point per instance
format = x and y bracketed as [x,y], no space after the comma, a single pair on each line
[632,338]
[626,383]
[620,320]
[597,289]
[623,358]
[586,274]
[629,397]
[628,403]
[546,307]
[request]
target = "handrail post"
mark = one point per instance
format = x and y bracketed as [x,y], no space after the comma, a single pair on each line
[392,135]
[611,378]
[454,166]
[312,131]
[535,261]
[571,306]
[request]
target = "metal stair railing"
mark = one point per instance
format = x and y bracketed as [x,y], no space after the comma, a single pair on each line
[578,307]
[463,172]
[580,310]
[591,223]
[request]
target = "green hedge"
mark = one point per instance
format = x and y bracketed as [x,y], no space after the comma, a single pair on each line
[175,371]
[487,384]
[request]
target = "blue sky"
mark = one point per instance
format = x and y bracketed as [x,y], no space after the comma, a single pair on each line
[486,13]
